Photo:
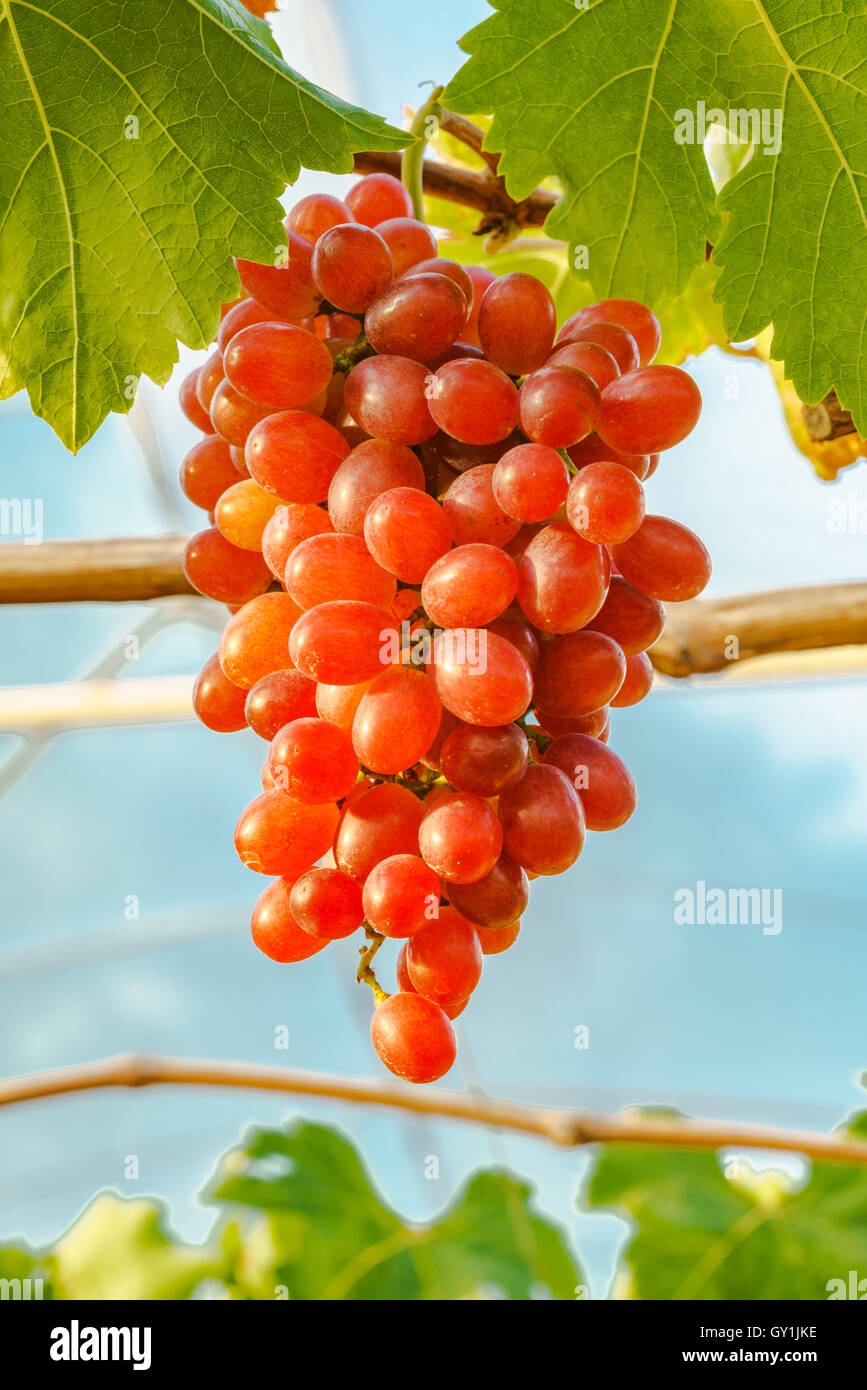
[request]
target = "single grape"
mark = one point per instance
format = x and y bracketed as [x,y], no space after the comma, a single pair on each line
[381,821]
[473,512]
[334,566]
[469,586]
[562,579]
[338,703]
[530,482]
[484,761]
[495,940]
[480,676]
[413,1037]
[473,401]
[418,317]
[371,469]
[401,895]
[210,375]
[286,289]
[520,634]
[396,720]
[255,640]
[665,560]
[351,266]
[386,396]
[444,960]
[206,471]
[275,930]
[221,571]
[406,986]
[377,197]
[605,503]
[595,724]
[287,528]
[596,361]
[295,455]
[326,904]
[313,215]
[406,531]
[543,821]
[278,698]
[558,406]
[496,901]
[578,673]
[516,323]
[232,415]
[409,242]
[481,278]
[242,513]
[602,780]
[461,839]
[610,336]
[636,683]
[277,835]
[191,405]
[342,643]
[649,410]
[630,314]
[277,365]
[458,273]
[217,701]
[632,618]
[313,761]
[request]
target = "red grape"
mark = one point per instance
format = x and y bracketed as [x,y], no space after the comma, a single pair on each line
[401,895]
[232,415]
[665,560]
[313,761]
[517,322]
[190,403]
[276,699]
[596,361]
[334,566]
[341,643]
[484,761]
[458,273]
[473,401]
[286,289]
[326,904]
[210,375]
[473,512]
[396,721]
[287,528]
[217,701]
[372,468]
[418,317]
[543,822]
[376,197]
[480,676]
[605,503]
[592,449]
[406,532]
[610,336]
[636,683]
[387,397]
[602,780]
[578,673]
[242,315]
[277,835]
[277,365]
[495,940]
[558,406]
[469,586]
[413,1037]
[351,266]
[313,215]
[243,511]
[649,410]
[409,242]
[498,899]
[381,821]
[520,634]
[562,579]
[444,960]
[221,571]
[461,839]
[206,471]
[295,455]
[255,640]
[481,278]
[632,618]
[530,482]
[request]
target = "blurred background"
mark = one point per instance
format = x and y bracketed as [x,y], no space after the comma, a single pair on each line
[125,911]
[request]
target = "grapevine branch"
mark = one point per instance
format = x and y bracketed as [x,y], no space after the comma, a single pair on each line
[566,1128]
[696,637]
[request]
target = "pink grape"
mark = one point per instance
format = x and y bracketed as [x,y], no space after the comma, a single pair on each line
[387,397]
[665,560]
[473,401]
[469,586]
[543,820]
[605,503]
[396,720]
[401,895]
[481,677]
[603,782]
[558,406]
[406,532]
[372,468]
[530,482]
[351,266]
[651,409]
[376,197]
[341,642]
[517,322]
[562,580]
[277,365]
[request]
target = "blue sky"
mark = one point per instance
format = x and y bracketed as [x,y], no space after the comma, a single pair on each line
[760,786]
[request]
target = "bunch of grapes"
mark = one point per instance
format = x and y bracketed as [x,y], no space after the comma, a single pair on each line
[428,524]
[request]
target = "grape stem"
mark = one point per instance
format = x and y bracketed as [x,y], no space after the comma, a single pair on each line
[365,970]
[566,1128]
[412,159]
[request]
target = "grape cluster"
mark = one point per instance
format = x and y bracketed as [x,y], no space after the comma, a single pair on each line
[428,523]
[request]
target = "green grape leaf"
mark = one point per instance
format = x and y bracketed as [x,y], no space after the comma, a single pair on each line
[589,93]
[324,1231]
[144,144]
[796,222]
[702,1231]
[119,1249]
[615,98]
